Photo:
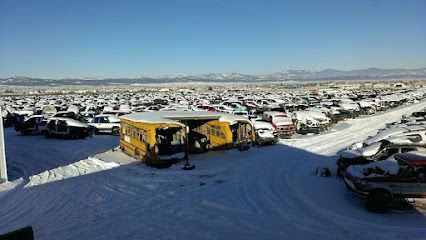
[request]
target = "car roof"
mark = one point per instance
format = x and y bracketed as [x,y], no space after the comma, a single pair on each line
[106,115]
[414,158]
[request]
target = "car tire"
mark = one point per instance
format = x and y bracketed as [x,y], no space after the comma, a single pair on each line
[378,201]
[96,131]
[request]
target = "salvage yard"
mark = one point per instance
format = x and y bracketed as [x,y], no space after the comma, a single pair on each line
[263,193]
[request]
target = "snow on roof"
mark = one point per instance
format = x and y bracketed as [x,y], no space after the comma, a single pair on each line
[367,151]
[389,166]
[370,150]
[173,117]
[384,134]
[259,124]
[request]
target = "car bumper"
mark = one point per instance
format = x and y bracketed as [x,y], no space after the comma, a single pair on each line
[310,130]
[351,187]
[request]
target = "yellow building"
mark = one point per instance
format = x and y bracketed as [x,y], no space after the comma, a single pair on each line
[165,137]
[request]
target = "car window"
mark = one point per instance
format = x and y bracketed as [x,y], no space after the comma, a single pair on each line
[51,125]
[96,120]
[31,121]
[104,120]
[406,171]
[408,149]
[62,126]
[414,137]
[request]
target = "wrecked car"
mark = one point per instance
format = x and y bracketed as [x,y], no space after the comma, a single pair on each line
[265,133]
[385,183]
[305,123]
[375,152]
[31,125]
[283,124]
[68,128]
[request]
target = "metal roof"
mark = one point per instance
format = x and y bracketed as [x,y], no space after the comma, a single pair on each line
[173,117]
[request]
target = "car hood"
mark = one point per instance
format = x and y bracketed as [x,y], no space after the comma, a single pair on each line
[383,168]
[367,151]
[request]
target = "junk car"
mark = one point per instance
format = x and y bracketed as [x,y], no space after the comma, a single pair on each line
[106,123]
[265,133]
[375,152]
[383,184]
[31,125]
[305,122]
[68,128]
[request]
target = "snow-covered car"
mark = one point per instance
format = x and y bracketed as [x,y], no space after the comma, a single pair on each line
[243,113]
[31,125]
[405,133]
[223,108]
[282,123]
[367,107]
[350,107]
[322,119]
[305,122]
[49,110]
[265,133]
[384,183]
[67,128]
[375,152]
[106,123]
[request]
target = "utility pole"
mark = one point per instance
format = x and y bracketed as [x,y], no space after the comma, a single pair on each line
[3,169]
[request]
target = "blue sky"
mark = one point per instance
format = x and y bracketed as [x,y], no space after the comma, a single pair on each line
[78,38]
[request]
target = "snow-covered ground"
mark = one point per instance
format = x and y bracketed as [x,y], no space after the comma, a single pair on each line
[29,155]
[263,193]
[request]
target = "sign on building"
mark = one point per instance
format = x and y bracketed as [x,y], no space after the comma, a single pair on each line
[3,169]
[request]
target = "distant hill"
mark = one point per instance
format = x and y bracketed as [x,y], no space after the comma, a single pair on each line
[286,75]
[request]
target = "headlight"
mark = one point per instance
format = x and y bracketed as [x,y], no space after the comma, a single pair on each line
[309,122]
[361,181]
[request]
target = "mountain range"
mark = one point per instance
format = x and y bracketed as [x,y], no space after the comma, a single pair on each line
[286,75]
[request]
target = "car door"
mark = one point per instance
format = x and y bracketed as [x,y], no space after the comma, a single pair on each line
[38,122]
[408,182]
[31,124]
[51,126]
[104,124]
[95,122]
[61,127]
[421,181]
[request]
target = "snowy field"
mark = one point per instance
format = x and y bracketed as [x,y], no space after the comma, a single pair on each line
[263,193]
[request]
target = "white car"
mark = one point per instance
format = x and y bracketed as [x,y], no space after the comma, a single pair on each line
[265,132]
[106,123]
